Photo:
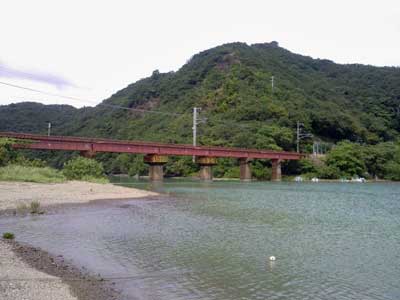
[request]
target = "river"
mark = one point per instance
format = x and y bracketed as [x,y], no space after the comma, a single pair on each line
[214,240]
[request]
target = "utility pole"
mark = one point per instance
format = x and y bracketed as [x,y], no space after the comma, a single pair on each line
[300,135]
[317,148]
[48,129]
[196,121]
[195,111]
[272,83]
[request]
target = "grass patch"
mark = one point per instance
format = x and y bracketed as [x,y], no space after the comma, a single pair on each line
[41,175]
[8,236]
[35,208]
[31,174]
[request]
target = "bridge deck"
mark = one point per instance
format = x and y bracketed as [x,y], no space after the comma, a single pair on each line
[70,143]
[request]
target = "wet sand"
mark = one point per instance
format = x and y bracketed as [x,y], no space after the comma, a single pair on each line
[30,273]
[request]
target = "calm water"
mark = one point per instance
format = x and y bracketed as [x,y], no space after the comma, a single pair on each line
[212,241]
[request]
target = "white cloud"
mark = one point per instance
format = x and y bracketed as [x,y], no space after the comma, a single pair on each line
[59,82]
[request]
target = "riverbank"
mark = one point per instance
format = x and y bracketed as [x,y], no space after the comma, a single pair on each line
[30,273]
[16,194]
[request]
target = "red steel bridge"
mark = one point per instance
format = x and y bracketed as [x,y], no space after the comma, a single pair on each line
[156,154]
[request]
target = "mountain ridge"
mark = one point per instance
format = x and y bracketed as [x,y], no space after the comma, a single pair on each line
[231,83]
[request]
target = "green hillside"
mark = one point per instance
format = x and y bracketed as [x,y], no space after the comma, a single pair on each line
[34,117]
[232,85]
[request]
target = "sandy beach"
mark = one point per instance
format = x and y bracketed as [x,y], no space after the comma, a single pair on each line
[13,194]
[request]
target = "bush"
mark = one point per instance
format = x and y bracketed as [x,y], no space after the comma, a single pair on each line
[35,207]
[181,166]
[233,172]
[392,171]
[8,236]
[347,158]
[260,170]
[81,168]
[327,172]
[25,162]
[30,174]
[7,154]
[306,166]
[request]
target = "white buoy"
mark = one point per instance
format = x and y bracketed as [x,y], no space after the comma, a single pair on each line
[272,258]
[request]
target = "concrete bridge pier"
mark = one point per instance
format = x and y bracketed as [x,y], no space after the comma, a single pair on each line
[156,163]
[276,170]
[206,164]
[245,170]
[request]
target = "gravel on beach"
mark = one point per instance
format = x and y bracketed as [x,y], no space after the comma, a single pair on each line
[28,273]
[17,280]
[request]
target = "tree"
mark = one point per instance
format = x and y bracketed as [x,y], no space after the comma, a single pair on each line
[392,170]
[7,154]
[348,158]
[378,156]
[392,167]
[81,168]
[137,166]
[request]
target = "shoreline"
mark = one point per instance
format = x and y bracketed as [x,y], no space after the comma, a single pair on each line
[56,278]
[45,276]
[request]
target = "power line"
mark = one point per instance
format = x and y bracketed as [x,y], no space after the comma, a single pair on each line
[89,101]
[300,135]
[236,124]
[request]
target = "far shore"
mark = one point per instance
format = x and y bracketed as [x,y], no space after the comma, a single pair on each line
[15,194]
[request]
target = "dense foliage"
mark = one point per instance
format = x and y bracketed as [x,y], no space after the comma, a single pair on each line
[232,85]
[6,153]
[81,168]
[34,117]
[348,160]
[14,166]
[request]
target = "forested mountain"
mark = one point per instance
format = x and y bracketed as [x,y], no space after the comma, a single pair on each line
[232,85]
[34,117]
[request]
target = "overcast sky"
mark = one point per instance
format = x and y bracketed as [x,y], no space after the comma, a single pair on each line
[91,49]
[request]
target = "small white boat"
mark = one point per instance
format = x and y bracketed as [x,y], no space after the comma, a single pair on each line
[360,179]
[298,179]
